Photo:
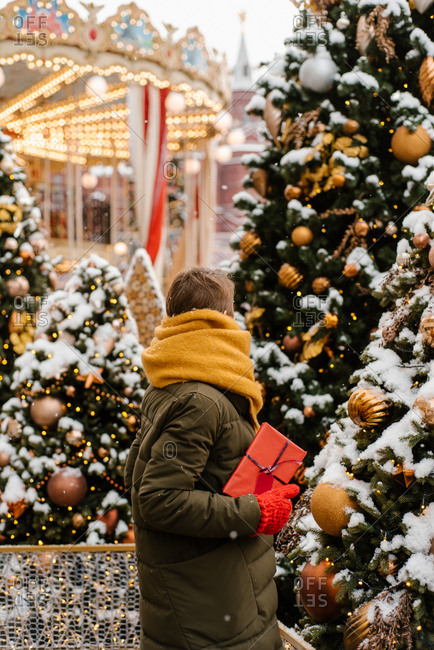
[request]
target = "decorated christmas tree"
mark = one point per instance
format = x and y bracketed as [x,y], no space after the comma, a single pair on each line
[66,434]
[347,115]
[26,273]
[364,549]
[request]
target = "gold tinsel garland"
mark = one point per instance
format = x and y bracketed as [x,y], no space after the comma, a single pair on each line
[295,133]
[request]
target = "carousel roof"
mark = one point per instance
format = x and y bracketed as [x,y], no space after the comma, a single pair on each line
[49,55]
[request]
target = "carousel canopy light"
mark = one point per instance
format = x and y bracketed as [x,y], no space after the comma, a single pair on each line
[96,86]
[192,166]
[236,137]
[120,248]
[89,181]
[2,77]
[223,153]
[223,121]
[175,102]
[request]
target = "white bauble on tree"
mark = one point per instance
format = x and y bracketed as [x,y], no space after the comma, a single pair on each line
[318,72]
[343,23]
[7,165]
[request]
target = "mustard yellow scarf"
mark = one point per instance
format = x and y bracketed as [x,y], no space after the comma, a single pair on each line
[203,345]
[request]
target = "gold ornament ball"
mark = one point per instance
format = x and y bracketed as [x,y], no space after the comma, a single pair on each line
[27,255]
[426,406]
[102,452]
[292,192]
[408,146]
[67,488]
[74,437]
[330,321]
[317,593]
[431,257]
[4,458]
[302,236]
[426,328]
[78,520]
[338,180]
[368,409]
[357,628]
[328,506]
[18,286]
[351,127]
[320,285]
[291,343]
[289,276]
[351,270]
[361,228]
[249,243]
[421,241]
[13,428]
[46,411]
[308,412]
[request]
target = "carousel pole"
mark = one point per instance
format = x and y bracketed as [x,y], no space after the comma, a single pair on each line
[70,189]
[114,205]
[47,195]
[78,189]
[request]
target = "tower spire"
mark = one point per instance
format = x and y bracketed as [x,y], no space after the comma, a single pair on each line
[242,70]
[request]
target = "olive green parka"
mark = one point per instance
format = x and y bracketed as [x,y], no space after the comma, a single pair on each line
[204,581]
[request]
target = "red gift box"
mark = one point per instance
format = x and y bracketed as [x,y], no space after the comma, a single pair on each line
[269,462]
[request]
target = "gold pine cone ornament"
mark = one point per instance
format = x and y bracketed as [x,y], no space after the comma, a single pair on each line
[249,242]
[368,409]
[289,276]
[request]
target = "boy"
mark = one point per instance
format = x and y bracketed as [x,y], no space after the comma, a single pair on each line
[205,572]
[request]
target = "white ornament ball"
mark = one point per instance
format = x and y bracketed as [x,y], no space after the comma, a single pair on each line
[89,181]
[403,259]
[236,137]
[223,121]
[223,154]
[7,165]
[192,166]
[11,244]
[96,86]
[343,23]
[318,72]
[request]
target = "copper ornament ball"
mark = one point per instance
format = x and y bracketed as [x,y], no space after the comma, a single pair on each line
[350,270]
[128,391]
[128,538]
[320,285]
[291,343]
[78,520]
[102,452]
[351,127]
[338,180]
[431,257]
[426,406]
[74,437]
[317,593]
[67,488]
[426,328]
[46,411]
[328,506]
[361,228]
[421,241]
[4,458]
[302,236]
[308,412]
[110,519]
[18,286]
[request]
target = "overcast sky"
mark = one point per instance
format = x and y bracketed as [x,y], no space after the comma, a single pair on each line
[267,24]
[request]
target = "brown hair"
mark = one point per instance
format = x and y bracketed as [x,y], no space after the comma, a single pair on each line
[200,288]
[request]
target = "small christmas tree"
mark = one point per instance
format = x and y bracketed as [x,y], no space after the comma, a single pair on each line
[26,273]
[369,540]
[349,132]
[66,435]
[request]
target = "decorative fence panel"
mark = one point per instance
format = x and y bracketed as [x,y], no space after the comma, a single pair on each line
[75,597]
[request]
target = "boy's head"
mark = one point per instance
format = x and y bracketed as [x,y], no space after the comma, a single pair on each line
[200,288]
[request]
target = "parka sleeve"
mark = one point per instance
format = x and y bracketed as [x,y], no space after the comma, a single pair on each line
[168,499]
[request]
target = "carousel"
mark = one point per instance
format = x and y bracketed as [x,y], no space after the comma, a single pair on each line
[117,127]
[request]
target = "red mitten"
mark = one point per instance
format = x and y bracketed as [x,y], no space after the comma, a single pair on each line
[275,508]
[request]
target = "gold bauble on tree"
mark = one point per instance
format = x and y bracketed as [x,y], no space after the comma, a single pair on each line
[431,257]
[291,343]
[368,409]
[361,228]
[4,458]
[330,321]
[357,627]
[292,192]
[426,407]
[289,276]
[302,236]
[317,593]
[320,285]
[260,181]
[67,488]
[249,243]
[338,180]
[408,146]
[46,411]
[74,437]
[328,508]
[78,520]
[351,127]
[309,412]
[426,328]
[426,80]
[350,270]
[421,241]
